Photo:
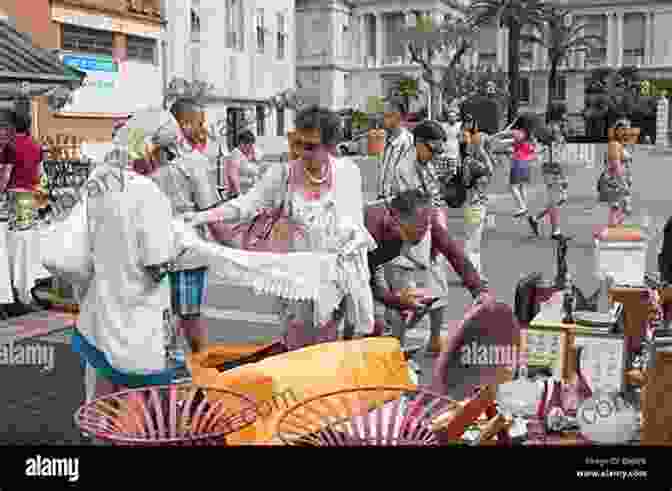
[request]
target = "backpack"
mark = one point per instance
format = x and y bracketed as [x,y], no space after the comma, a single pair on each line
[665,255]
[526,306]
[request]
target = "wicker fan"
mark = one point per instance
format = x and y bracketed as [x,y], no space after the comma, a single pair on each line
[385,416]
[169,415]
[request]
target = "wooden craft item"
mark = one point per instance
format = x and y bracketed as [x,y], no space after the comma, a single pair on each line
[450,426]
[657,403]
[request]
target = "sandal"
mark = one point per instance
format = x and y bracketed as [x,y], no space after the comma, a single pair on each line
[534,225]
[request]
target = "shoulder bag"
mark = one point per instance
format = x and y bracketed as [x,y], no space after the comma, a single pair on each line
[263,233]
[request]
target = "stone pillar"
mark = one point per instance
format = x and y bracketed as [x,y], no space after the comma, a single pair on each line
[178,29]
[362,40]
[650,39]
[611,39]
[380,52]
[501,55]
[619,44]
[409,21]
[662,122]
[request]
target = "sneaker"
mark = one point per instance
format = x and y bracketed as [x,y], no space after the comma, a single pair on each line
[556,234]
[534,225]
[519,213]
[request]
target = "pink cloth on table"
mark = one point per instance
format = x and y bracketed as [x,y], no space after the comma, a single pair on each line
[233,175]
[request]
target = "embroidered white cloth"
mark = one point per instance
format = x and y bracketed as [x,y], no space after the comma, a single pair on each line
[321,277]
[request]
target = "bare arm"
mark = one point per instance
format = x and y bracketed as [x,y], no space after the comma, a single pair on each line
[455,255]
[263,194]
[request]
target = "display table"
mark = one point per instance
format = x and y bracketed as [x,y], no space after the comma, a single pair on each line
[25,261]
[6,294]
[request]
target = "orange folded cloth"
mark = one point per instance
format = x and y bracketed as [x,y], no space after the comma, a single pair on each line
[620,234]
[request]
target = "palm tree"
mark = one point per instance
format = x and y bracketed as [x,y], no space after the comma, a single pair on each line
[514,14]
[428,39]
[560,36]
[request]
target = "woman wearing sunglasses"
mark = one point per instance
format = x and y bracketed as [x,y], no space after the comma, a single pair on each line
[321,198]
[408,221]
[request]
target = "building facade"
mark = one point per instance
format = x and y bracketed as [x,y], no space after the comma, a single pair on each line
[635,35]
[114,42]
[349,51]
[245,49]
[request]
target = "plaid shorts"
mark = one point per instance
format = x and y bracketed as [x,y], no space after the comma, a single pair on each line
[188,289]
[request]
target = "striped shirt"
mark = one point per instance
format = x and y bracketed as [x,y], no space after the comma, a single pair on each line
[397,169]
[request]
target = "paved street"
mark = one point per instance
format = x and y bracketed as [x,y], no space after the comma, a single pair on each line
[41,405]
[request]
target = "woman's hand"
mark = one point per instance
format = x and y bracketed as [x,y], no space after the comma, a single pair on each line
[195,218]
[411,297]
[486,299]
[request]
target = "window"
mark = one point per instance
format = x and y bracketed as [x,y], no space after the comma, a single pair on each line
[634,25]
[235,25]
[195,24]
[596,25]
[195,62]
[282,36]
[559,90]
[261,120]
[524,90]
[261,32]
[280,116]
[141,49]
[87,40]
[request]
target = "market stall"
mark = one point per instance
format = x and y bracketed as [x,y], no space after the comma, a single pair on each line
[26,71]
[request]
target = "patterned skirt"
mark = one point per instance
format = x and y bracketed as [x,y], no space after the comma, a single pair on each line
[188,290]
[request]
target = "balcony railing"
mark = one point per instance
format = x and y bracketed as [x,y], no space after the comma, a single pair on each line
[633,57]
[394,60]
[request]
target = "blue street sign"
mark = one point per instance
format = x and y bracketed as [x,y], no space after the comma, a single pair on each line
[91,64]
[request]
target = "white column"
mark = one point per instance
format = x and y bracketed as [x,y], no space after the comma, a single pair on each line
[213,37]
[380,52]
[619,45]
[361,42]
[650,40]
[406,57]
[178,15]
[611,39]
[501,57]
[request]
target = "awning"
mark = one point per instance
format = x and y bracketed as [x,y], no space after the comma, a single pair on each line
[39,70]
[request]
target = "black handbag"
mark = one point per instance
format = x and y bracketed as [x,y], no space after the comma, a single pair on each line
[454,190]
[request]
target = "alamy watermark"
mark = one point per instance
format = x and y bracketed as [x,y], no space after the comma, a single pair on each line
[68,198]
[39,466]
[602,407]
[26,354]
[477,354]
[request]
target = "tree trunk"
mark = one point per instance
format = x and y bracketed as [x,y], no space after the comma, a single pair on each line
[514,68]
[552,75]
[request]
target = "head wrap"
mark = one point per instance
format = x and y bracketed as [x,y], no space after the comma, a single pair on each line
[151,126]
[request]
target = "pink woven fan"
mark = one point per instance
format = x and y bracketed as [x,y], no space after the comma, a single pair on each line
[169,415]
[383,416]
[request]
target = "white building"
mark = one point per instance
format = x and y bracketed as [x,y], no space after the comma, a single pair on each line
[245,48]
[635,34]
[347,51]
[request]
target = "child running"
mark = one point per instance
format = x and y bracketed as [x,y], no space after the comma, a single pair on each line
[524,153]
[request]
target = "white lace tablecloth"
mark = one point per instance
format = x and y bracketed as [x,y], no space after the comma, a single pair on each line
[6,295]
[25,261]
